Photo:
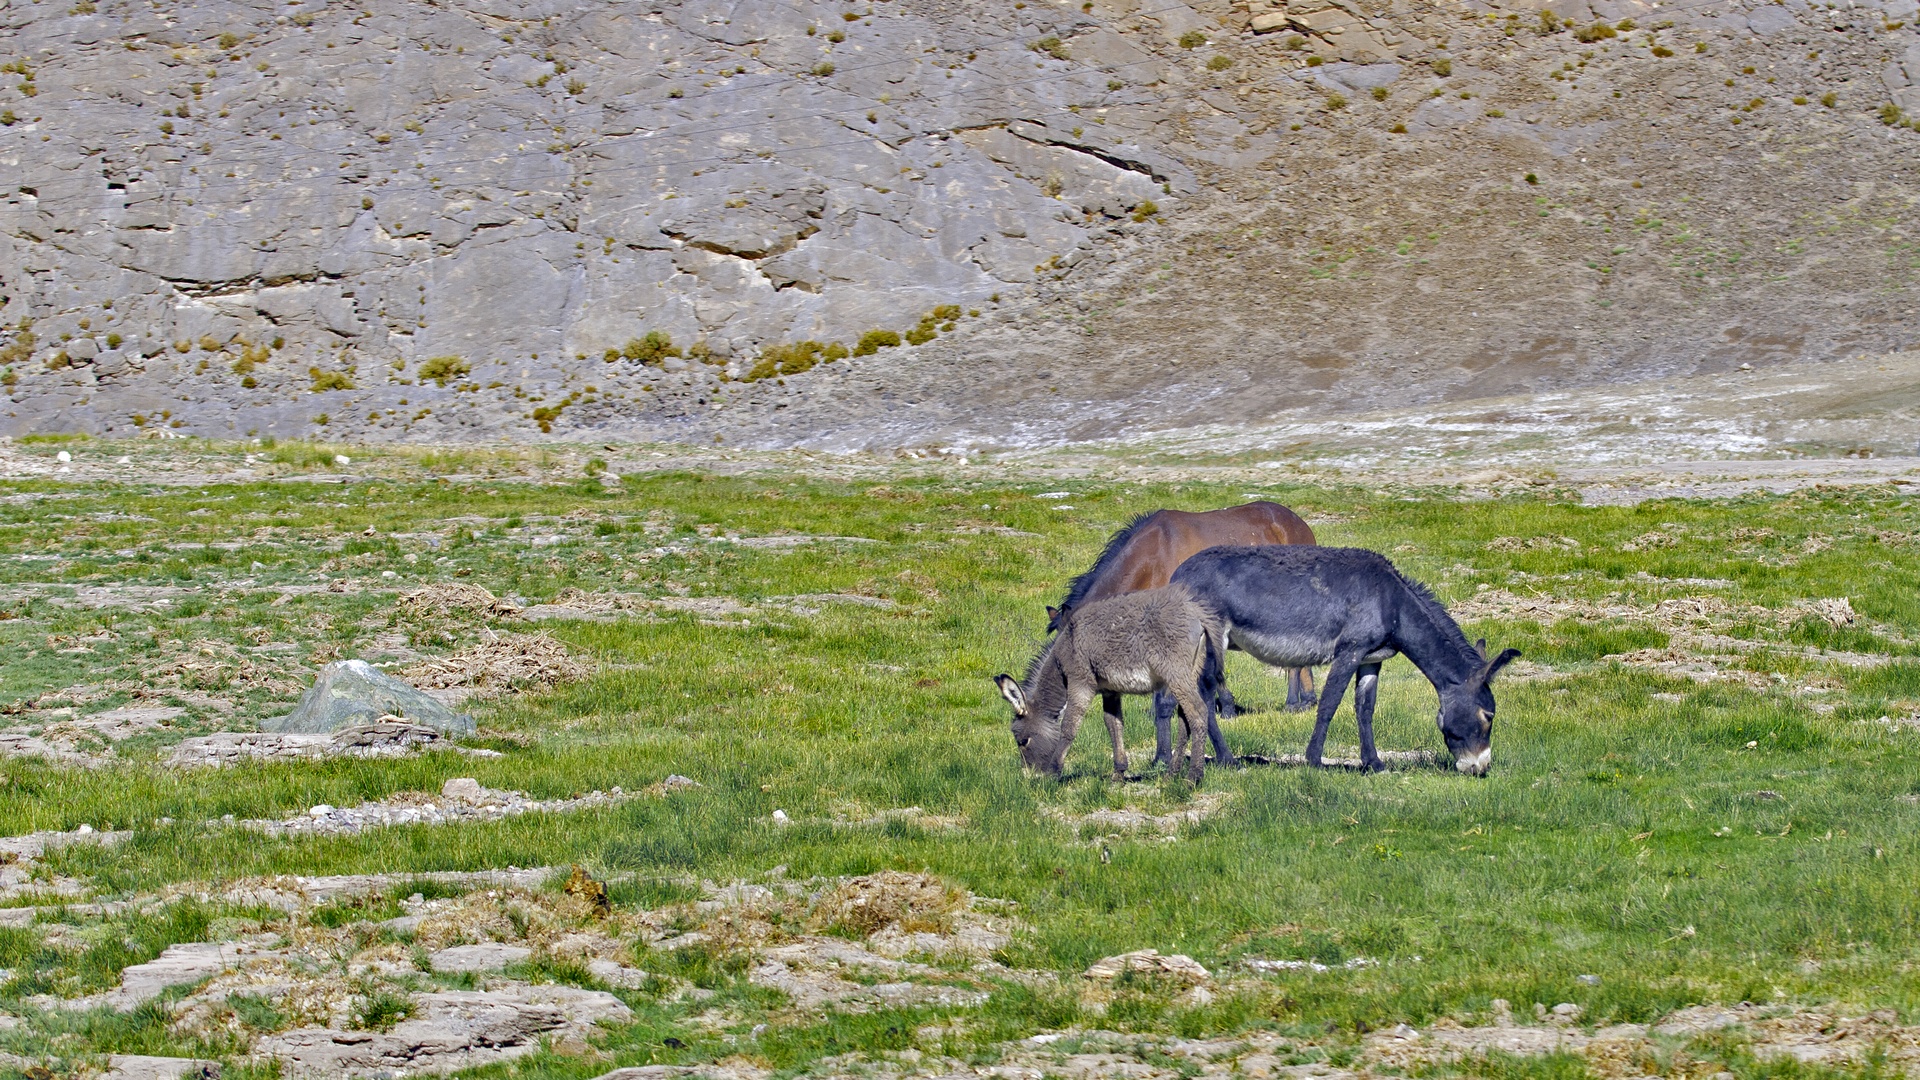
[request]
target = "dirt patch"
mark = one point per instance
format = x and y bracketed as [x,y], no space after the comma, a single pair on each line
[507,662]
[460,800]
[1119,822]
[387,738]
[456,600]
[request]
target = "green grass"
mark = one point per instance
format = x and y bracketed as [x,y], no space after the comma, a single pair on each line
[1619,835]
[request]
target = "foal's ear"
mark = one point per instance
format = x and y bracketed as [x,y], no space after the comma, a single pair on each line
[1053,616]
[1507,656]
[1481,648]
[1011,691]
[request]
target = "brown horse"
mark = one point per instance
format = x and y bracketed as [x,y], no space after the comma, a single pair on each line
[1145,554]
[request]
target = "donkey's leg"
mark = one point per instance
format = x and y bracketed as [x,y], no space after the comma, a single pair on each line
[1224,704]
[1299,689]
[1197,711]
[1110,704]
[1365,683]
[1162,729]
[1334,687]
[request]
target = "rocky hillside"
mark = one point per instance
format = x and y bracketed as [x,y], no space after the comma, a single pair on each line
[924,223]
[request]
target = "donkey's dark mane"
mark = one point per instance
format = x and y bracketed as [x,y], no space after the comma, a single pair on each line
[1437,613]
[1079,587]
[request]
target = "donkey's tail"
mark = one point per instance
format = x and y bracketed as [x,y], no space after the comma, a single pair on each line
[1213,664]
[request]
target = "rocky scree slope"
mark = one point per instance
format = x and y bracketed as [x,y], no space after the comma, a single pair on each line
[449,221]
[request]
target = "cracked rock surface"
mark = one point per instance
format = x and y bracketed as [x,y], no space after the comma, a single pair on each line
[453,222]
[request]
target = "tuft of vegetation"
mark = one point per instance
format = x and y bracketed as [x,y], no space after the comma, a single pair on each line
[1890,114]
[1597,32]
[777,360]
[823,69]
[650,350]
[1336,101]
[874,340]
[1052,46]
[1145,210]
[1220,62]
[442,368]
[1193,39]
[329,380]
[1442,67]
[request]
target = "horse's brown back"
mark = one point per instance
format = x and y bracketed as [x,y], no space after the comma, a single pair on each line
[1158,545]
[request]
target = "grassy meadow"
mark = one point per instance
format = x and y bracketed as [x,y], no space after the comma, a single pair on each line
[1749,836]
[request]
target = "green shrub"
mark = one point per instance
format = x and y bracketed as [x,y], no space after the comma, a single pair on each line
[945,313]
[1220,62]
[922,334]
[650,350]
[1052,46]
[793,359]
[1336,101]
[1145,210]
[442,368]
[1443,67]
[1316,61]
[823,69]
[874,340]
[1597,32]
[1193,39]
[329,380]
[1830,99]
[1892,114]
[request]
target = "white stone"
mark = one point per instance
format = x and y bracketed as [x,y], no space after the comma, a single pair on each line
[464,787]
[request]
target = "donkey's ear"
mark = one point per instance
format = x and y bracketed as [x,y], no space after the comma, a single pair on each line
[1053,615]
[1507,656]
[1011,691]
[1481,648]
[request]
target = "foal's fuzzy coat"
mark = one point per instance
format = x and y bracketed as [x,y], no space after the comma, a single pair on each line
[1132,644]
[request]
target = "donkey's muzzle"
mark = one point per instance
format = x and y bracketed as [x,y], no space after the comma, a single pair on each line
[1476,763]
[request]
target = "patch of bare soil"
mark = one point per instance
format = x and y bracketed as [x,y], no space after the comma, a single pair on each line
[456,600]
[386,738]
[1709,639]
[460,800]
[1137,820]
[501,662]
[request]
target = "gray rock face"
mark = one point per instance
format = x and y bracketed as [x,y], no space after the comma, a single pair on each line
[147,1067]
[353,693]
[526,186]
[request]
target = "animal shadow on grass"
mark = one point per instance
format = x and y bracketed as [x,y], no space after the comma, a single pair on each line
[1395,761]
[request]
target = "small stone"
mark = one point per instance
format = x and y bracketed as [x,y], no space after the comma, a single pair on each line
[1567,1010]
[84,830]
[320,811]
[63,457]
[342,459]
[389,574]
[780,818]
[124,461]
[464,788]
[1587,980]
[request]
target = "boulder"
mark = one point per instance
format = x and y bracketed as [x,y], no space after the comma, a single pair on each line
[145,1067]
[349,693]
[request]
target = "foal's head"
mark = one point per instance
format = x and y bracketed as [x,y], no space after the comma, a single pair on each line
[1037,730]
[1466,713]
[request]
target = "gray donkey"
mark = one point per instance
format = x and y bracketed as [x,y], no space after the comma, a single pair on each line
[1132,644]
